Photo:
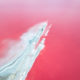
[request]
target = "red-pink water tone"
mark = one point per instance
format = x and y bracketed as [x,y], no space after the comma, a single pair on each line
[60,60]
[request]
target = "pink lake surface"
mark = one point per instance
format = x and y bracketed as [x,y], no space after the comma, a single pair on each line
[60,60]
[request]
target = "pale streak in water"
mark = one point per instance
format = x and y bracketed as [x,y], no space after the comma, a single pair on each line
[26,53]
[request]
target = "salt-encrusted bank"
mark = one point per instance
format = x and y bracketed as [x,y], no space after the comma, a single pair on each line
[25,53]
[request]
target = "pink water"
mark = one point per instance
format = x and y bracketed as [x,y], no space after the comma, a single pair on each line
[60,60]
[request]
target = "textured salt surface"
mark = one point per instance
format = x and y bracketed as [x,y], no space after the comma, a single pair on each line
[25,53]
